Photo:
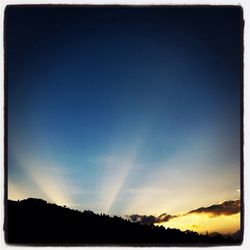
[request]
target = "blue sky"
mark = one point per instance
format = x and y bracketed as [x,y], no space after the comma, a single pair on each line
[124,110]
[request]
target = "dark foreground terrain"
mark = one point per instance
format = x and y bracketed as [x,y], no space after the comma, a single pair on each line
[36,222]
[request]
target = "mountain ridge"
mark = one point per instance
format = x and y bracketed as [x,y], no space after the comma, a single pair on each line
[37,222]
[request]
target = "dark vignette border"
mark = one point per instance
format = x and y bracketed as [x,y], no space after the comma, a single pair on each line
[242,23]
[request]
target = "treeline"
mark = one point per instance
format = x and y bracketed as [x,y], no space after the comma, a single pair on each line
[36,222]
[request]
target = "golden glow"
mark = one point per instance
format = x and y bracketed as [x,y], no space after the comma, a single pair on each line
[50,182]
[203,222]
[16,193]
[166,189]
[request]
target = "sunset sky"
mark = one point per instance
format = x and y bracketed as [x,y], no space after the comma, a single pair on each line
[127,111]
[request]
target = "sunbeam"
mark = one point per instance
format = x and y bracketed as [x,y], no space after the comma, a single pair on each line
[52,181]
[125,110]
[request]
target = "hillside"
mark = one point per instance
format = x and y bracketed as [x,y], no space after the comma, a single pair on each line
[34,221]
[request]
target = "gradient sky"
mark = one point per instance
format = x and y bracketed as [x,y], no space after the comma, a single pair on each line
[124,110]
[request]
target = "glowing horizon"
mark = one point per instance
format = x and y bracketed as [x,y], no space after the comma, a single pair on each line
[126,111]
[200,223]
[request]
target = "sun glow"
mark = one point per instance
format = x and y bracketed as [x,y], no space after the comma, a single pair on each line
[50,182]
[202,223]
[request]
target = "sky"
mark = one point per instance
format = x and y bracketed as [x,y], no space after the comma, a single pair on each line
[126,111]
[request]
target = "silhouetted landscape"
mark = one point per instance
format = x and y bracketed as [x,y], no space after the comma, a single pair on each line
[37,222]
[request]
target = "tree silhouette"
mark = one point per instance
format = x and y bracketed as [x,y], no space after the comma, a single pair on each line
[34,221]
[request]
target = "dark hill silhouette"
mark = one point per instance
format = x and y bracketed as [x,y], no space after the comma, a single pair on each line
[34,221]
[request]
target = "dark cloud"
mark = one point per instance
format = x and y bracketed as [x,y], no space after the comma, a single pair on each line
[165,217]
[144,219]
[225,208]
[150,219]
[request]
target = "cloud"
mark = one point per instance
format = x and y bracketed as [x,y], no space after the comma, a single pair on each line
[224,208]
[194,226]
[165,217]
[150,219]
[144,219]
